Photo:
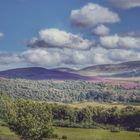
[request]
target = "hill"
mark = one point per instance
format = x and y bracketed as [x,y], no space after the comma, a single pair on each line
[127,69]
[38,73]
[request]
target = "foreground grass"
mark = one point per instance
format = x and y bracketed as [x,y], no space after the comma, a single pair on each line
[95,134]
[6,133]
[76,134]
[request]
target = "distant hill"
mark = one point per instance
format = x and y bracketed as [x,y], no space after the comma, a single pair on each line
[127,69]
[38,73]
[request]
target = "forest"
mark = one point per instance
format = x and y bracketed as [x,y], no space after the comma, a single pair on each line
[69,91]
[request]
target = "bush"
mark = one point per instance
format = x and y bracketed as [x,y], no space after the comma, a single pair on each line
[64,137]
[114,129]
[137,129]
[54,136]
[31,120]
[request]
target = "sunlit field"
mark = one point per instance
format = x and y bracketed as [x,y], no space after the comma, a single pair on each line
[95,134]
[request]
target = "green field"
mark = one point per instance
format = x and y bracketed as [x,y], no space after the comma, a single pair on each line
[78,134]
[96,104]
[6,133]
[95,134]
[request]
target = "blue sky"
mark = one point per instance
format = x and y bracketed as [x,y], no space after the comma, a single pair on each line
[23,20]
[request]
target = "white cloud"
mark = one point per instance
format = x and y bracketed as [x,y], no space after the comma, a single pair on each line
[93,14]
[125,4]
[1,34]
[42,57]
[8,58]
[121,42]
[68,57]
[119,55]
[55,38]
[101,30]
[91,57]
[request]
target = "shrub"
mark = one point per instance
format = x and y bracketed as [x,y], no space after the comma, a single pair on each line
[137,129]
[35,121]
[54,136]
[64,137]
[115,129]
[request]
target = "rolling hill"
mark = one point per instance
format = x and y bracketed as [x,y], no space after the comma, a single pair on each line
[127,69]
[38,73]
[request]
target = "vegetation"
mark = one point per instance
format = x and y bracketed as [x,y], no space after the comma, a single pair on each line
[32,120]
[115,129]
[91,117]
[94,134]
[6,133]
[137,129]
[71,91]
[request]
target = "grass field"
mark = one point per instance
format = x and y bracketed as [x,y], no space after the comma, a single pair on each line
[106,105]
[6,133]
[95,104]
[95,134]
[77,134]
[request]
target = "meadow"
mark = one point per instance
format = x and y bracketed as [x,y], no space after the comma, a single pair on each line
[107,105]
[77,134]
[94,134]
[6,133]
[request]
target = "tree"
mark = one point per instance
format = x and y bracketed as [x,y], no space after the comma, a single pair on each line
[7,108]
[33,120]
[29,119]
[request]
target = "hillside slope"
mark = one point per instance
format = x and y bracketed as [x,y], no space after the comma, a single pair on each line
[37,73]
[127,69]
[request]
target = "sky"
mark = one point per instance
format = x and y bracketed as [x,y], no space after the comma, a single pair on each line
[68,33]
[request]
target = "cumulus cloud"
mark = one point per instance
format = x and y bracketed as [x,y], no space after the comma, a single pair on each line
[99,55]
[123,55]
[1,34]
[121,42]
[101,30]
[42,57]
[55,38]
[65,57]
[93,14]
[125,4]
[68,57]
[8,58]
